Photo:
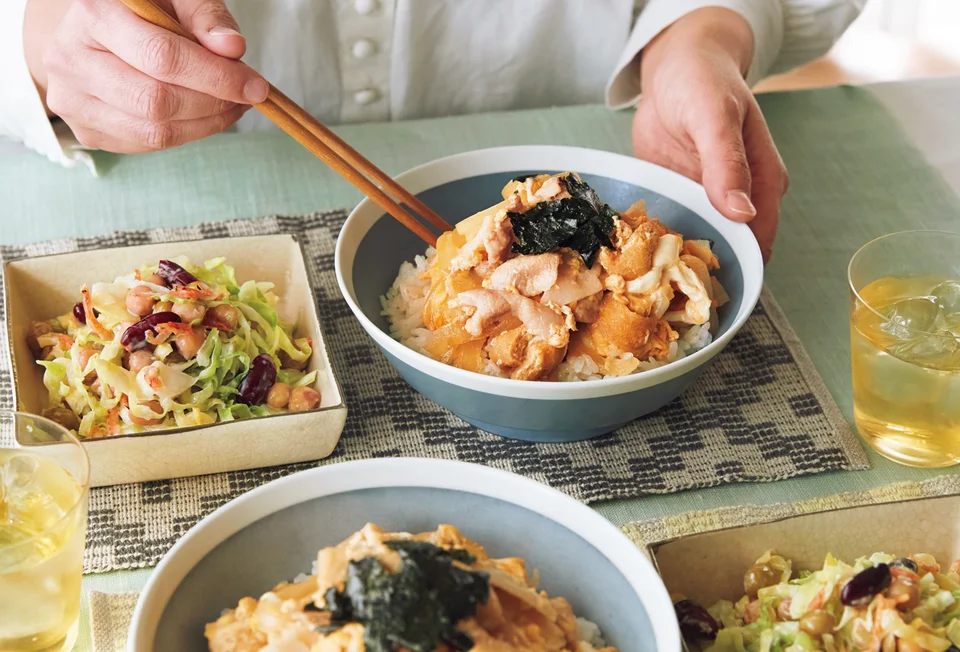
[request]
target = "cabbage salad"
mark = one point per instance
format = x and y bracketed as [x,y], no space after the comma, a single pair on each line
[879,603]
[172,345]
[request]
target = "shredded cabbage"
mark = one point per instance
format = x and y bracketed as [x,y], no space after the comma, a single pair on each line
[110,399]
[933,624]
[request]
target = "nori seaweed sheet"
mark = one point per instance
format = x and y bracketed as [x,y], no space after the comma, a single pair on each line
[418,606]
[581,222]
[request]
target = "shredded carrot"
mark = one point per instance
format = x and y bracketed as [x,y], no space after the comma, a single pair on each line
[930,568]
[955,567]
[905,573]
[97,327]
[113,421]
[136,274]
[213,322]
[152,376]
[65,341]
[817,600]
[174,328]
[194,292]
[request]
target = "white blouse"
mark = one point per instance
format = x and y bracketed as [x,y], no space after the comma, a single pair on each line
[379,60]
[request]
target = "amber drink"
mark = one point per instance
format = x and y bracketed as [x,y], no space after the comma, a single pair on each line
[905,346]
[44,476]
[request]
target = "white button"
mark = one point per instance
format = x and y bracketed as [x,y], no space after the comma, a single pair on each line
[364,48]
[366,96]
[365,7]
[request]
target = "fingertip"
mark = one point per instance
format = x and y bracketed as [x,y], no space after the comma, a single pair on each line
[739,205]
[225,41]
[256,90]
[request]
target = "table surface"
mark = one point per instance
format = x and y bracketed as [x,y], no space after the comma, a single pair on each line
[237,176]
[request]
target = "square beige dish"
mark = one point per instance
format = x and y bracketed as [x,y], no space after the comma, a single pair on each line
[709,567]
[38,289]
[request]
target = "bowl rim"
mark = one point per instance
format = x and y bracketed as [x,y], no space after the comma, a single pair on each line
[474,163]
[632,563]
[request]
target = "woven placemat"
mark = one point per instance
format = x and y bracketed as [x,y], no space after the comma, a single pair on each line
[760,412]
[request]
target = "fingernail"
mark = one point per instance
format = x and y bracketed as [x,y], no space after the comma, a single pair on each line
[256,91]
[739,202]
[220,30]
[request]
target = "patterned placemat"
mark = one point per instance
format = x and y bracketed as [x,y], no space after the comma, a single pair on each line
[760,412]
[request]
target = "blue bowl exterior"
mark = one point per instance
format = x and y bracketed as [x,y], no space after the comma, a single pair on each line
[388,244]
[543,421]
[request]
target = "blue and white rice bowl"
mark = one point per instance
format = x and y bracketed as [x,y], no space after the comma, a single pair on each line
[372,247]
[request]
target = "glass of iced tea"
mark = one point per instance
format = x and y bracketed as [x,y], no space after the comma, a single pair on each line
[44,487]
[905,344]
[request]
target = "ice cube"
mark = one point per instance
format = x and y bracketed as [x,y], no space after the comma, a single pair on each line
[909,317]
[947,297]
[18,556]
[19,472]
[936,351]
[26,500]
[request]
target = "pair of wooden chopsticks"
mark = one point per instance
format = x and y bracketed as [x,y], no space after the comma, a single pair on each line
[323,143]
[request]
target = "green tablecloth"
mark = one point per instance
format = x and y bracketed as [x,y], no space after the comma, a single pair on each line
[854,175]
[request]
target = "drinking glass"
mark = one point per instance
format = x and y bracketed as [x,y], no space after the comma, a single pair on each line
[905,346]
[44,489]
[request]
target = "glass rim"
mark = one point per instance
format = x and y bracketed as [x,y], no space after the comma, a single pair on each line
[858,252]
[84,485]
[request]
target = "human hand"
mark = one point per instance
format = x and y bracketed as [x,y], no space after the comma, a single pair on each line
[697,116]
[125,85]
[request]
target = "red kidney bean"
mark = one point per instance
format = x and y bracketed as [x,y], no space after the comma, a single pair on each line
[258,381]
[79,312]
[695,621]
[135,337]
[864,585]
[173,274]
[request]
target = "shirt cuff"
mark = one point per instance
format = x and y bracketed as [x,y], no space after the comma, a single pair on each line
[764,16]
[22,115]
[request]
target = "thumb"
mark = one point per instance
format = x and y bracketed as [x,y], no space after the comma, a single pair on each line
[723,161]
[213,25]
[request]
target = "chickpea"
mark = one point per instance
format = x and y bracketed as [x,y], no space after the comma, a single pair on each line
[64,416]
[303,399]
[759,577]
[37,329]
[155,407]
[817,623]
[189,343]
[156,279]
[225,314]
[163,306]
[189,312]
[140,301]
[905,593]
[139,359]
[279,395]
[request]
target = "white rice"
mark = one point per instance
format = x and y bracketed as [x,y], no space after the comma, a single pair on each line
[403,307]
[590,636]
